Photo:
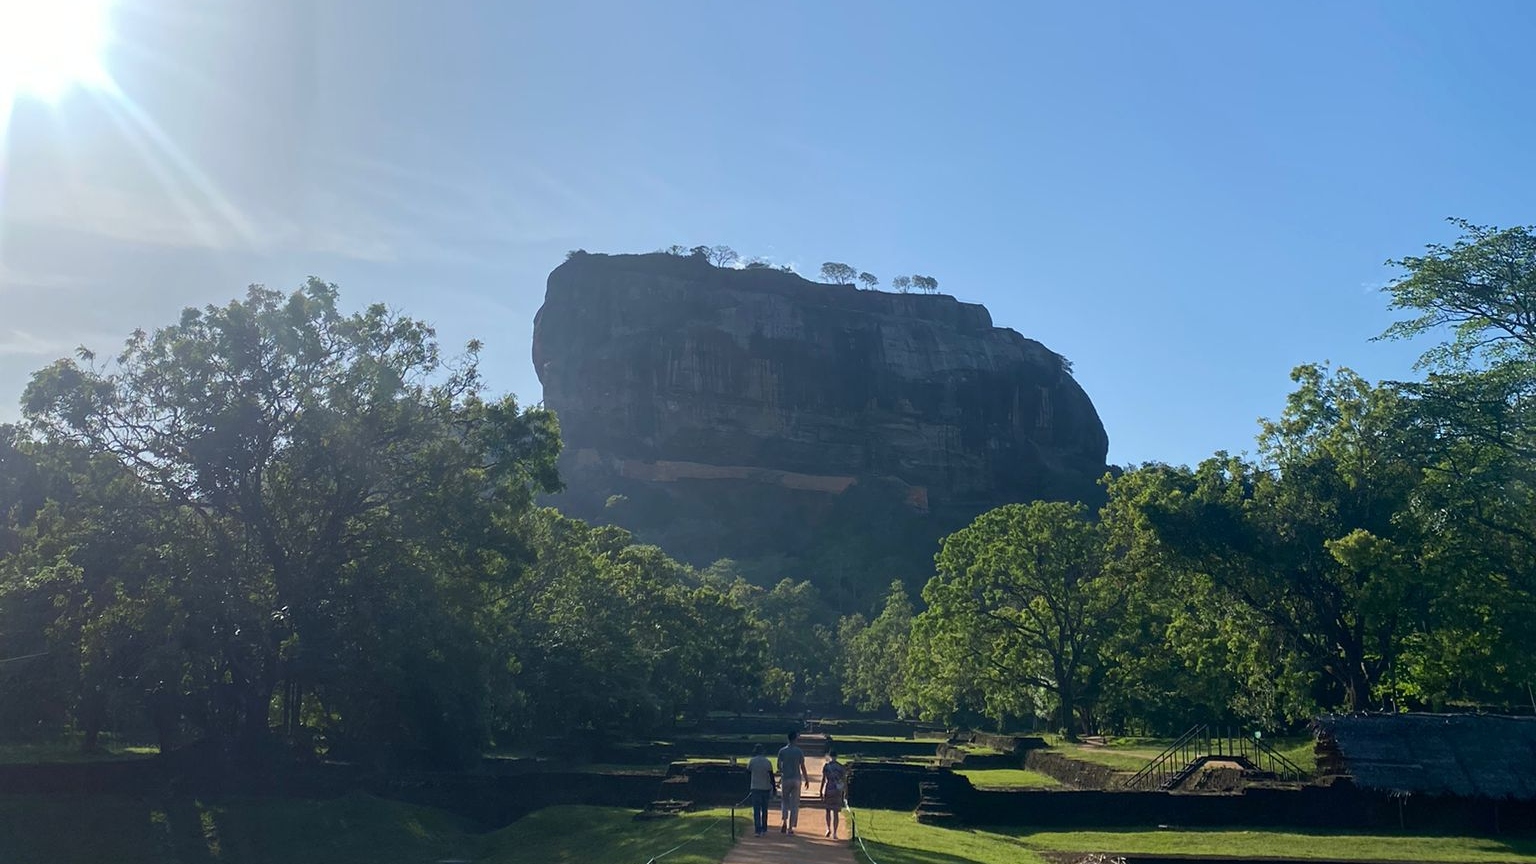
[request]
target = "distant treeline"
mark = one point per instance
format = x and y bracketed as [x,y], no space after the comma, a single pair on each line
[834,272]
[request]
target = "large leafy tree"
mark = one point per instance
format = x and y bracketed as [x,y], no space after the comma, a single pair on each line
[1024,600]
[1179,656]
[1310,542]
[347,489]
[1476,411]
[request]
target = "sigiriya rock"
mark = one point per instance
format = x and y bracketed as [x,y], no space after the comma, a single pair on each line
[817,430]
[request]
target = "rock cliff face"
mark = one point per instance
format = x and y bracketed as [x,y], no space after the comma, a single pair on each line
[748,413]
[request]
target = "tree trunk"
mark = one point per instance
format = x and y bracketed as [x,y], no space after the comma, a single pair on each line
[93,715]
[163,716]
[1068,698]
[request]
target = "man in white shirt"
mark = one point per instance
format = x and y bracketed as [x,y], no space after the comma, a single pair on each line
[792,769]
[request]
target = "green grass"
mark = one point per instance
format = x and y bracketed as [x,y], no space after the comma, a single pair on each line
[69,751]
[903,760]
[1302,751]
[355,829]
[894,837]
[888,738]
[123,830]
[1007,778]
[604,768]
[765,738]
[1118,759]
[576,835]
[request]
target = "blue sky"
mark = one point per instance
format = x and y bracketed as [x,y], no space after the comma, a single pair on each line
[1186,199]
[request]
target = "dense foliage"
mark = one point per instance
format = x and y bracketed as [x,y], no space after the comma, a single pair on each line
[274,517]
[1378,554]
[273,522]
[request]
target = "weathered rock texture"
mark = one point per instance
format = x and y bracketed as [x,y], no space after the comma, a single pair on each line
[746,413]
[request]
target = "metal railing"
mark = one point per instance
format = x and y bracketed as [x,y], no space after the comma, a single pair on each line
[1199,745]
[1184,750]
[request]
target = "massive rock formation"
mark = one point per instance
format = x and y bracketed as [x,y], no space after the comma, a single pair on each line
[753,414]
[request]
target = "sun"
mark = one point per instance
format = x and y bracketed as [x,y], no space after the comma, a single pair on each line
[49,46]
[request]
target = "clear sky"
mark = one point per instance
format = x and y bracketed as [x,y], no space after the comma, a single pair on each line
[1186,199]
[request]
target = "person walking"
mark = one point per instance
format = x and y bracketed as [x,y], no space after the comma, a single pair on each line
[794,778]
[834,790]
[763,784]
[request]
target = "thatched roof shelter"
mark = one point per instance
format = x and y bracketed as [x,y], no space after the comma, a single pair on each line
[1462,755]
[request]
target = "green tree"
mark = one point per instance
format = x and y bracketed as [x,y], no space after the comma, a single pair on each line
[902,284]
[609,636]
[1311,543]
[839,273]
[1160,680]
[1476,418]
[869,280]
[797,628]
[348,485]
[873,653]
[1024,597]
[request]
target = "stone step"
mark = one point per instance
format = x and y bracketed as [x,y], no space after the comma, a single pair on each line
[813,744]
[664,808]
[937,817]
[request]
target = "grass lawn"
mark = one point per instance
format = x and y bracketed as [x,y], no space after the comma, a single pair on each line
[756,738]
[1007,778]
[1119,759]
[356,829]
[604,768]
[576,835]
[69,751]
[887,738]
[895,837]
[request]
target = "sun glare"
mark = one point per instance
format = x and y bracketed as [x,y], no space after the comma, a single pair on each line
[49,46]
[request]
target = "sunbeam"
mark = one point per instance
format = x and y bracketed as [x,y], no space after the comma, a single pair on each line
[157,149]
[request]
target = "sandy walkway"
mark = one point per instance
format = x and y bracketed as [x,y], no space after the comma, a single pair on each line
[807,845]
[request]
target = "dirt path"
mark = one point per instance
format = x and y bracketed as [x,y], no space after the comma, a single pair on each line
[807,845]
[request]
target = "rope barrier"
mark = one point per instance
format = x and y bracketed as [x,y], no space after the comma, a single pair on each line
[858,837]
[702,831]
